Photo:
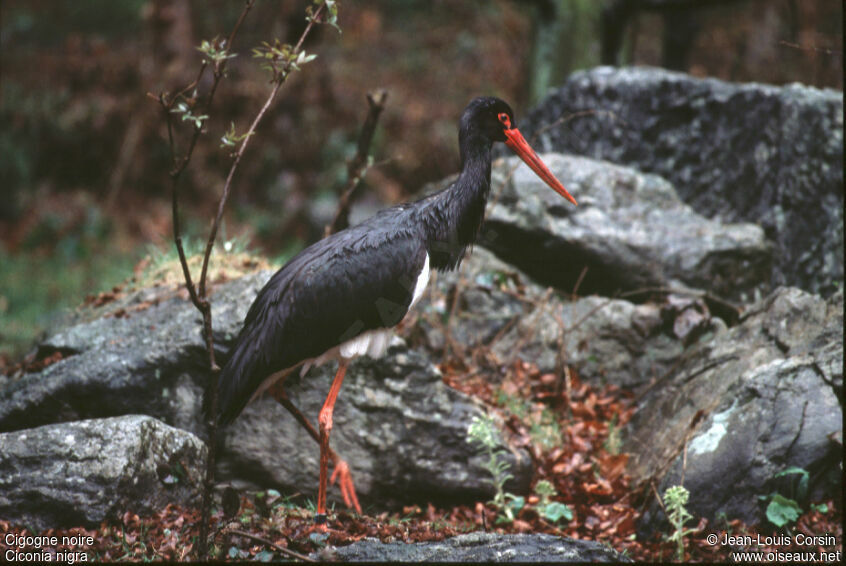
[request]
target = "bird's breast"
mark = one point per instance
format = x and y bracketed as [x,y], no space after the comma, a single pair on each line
[420,285]
[373,343]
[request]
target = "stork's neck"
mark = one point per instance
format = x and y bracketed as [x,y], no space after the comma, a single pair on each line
[452,217]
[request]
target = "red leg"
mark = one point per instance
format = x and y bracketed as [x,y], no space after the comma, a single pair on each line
[342,470]
[345,482]
[324,420]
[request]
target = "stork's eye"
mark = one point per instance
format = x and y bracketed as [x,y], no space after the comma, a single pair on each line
[506,121]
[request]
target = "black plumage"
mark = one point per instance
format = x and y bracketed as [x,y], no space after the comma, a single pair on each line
[364,280]
[361,278]
[356,280]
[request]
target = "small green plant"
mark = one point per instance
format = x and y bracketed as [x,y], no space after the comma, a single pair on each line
[782,510]
[483,431]
[721,521]
[801,490]
[544,429]
[552,511]
[675,498]
[613,442]
[518,407]
[822,508]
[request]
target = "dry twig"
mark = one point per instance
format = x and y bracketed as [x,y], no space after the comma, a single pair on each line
[359,164]
[271,544]
[198,293]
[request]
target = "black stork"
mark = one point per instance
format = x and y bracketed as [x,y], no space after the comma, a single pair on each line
[340,297]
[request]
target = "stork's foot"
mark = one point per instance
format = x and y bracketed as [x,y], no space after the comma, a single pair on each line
[317,533]
[321,523]
[345,483]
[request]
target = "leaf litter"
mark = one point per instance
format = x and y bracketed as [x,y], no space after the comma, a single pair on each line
[586,476]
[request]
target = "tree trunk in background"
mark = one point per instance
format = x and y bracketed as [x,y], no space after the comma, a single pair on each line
[173,37]
[564,34]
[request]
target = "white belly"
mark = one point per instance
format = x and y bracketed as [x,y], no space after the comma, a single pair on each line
[373,343]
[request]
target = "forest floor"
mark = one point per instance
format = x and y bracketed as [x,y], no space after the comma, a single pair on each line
[86,159]
[584,466]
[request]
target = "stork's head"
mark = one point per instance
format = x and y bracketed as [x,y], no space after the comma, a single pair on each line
[493,118]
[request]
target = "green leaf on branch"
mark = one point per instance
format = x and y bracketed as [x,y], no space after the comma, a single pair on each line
[185,110]
[302,58]
[231,138]
[330,16]
[215,50]
[280,58]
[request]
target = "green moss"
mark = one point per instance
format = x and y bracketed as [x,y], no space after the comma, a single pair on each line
[37,286]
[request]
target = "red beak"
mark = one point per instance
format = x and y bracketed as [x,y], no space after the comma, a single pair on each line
[521,147]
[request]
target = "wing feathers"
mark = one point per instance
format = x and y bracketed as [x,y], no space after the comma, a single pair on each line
[360,279]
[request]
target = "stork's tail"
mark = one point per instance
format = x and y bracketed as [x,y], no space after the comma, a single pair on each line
[234,385]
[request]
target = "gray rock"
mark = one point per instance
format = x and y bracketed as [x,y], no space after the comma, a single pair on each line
[143,355]
[760,398]
[740,152]
[630,231]
[491,295]
[608,341]
[400,429]
[478,548]
[502,312]
[82,473]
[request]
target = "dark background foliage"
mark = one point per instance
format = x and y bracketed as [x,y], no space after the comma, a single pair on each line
[83,152]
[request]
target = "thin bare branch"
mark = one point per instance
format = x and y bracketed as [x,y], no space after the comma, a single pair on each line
[825,50]
[247,137]
[573,116]
[228,186]
[198,299]
[271,544]
[578,283]
[179,165]
[453,310]
[358,166]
